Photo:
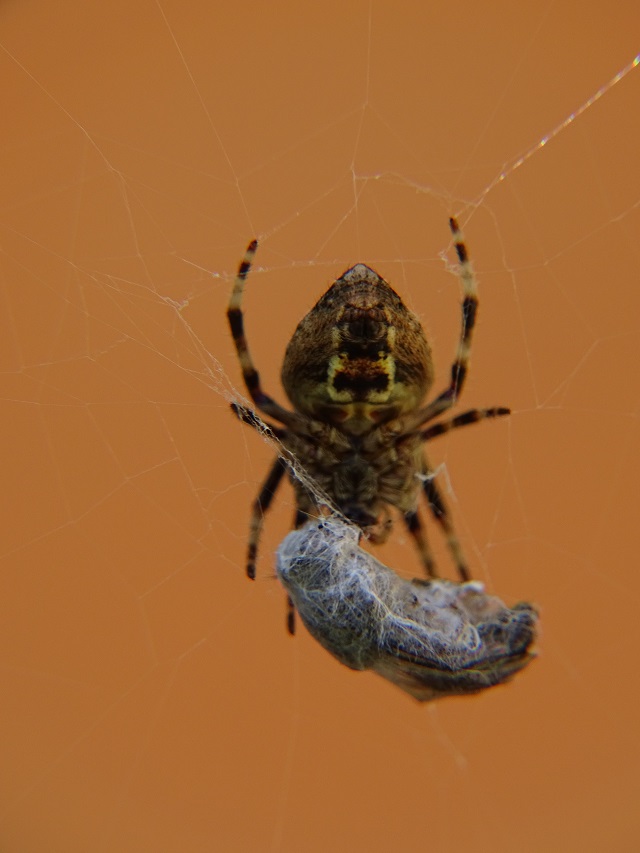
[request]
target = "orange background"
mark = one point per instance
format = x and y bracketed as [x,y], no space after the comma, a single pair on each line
[151,697]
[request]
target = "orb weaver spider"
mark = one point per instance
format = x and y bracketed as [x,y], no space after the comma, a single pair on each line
[356,371]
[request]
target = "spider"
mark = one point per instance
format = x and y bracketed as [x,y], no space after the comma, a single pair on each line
[356,371]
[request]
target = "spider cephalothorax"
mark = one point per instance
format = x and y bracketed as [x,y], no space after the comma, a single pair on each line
[356,371]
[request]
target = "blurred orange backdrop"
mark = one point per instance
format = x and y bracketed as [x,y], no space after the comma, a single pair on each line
[152,698]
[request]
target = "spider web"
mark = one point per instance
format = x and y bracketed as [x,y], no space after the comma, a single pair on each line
[152,697]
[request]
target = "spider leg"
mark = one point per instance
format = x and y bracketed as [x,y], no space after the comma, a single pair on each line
[291,616]
[247,416]
[470,417]
[460,366]
[440,512]
[416,529]
[260,506]
[236,324]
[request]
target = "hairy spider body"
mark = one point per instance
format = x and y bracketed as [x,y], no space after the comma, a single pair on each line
[356,371]
[357,361]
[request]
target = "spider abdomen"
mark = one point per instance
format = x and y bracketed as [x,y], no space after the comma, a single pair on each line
[359,357]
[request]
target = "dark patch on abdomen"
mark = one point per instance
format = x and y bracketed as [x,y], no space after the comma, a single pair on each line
[361,384]
[363,350]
